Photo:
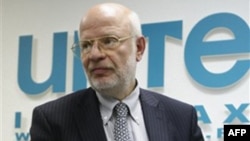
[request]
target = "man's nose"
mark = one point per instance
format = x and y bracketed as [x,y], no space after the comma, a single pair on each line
[96,52]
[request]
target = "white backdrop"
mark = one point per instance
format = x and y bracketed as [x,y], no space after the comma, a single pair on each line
[43,18]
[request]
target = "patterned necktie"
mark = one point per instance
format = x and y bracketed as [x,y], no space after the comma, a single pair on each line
[121,126]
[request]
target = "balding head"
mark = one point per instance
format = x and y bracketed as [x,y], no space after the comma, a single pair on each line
[108,14]
[112,35]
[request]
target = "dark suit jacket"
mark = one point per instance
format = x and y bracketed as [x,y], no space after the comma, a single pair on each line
[76,117]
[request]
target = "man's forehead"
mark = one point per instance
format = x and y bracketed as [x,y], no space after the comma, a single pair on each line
[105,18]
[104,25]
[103,31]
[106,13]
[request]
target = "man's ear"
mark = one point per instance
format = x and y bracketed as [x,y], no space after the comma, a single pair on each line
[140,46]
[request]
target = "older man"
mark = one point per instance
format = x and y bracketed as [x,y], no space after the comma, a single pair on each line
[114,108]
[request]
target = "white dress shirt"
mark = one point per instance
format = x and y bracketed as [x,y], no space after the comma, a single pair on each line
[136,125]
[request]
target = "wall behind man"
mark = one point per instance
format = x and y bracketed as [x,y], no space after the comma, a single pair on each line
[1,62]
[56,21]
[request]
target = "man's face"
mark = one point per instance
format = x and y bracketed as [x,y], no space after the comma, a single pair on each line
[111,68]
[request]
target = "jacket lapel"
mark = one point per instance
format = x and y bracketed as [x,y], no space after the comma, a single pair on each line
[88,118]
[156,121]
[90,125]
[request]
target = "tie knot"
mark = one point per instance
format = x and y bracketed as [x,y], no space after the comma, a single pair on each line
[121,109]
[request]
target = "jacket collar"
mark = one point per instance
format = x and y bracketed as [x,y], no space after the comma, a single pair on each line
[89,121]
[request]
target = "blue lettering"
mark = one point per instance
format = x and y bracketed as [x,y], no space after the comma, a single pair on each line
[58,75]
[18,116]
[79,79]
[220,132]
[202,114]
[156,34]
[196,48]
[22,136]
[236,113]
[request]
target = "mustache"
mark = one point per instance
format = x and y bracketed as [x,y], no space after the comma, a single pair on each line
[96,67]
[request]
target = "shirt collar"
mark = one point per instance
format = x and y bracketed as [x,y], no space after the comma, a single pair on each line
[108,103]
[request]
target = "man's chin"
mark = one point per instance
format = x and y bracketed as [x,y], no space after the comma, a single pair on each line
[103,85]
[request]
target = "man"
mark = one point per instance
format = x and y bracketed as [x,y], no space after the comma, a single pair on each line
[111,44]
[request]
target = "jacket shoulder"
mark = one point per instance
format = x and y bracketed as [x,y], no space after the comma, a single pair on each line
[165,101]
[67,101]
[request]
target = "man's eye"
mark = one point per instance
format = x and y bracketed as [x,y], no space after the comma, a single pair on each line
[85,45]
[109,40]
